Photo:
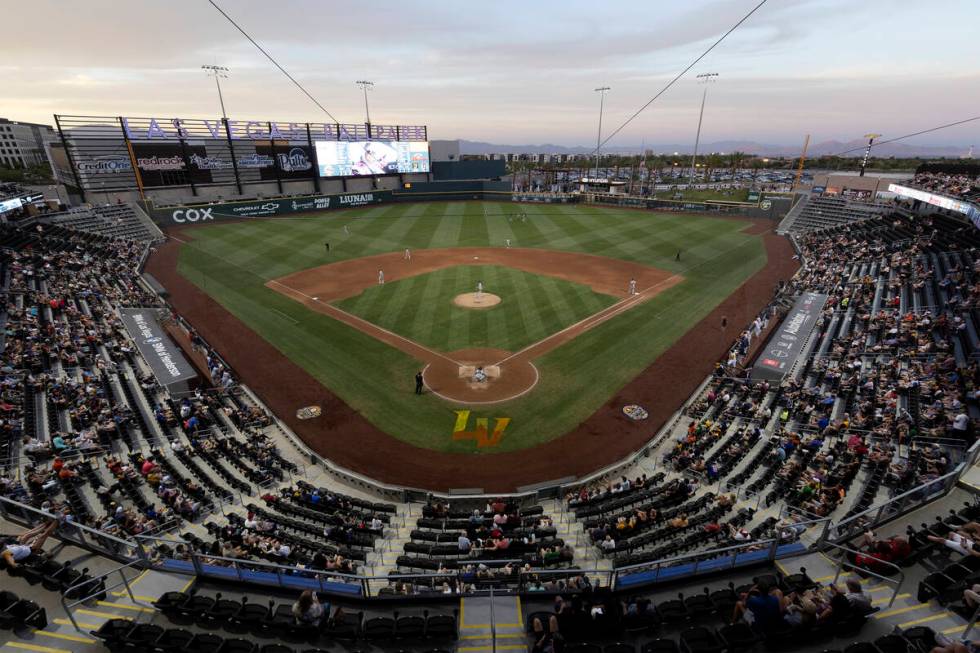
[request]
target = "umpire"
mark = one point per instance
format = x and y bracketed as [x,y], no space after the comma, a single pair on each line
[418,383]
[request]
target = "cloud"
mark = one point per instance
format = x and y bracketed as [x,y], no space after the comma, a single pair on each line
[509,70]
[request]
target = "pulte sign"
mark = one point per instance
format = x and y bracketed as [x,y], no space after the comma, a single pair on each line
[786,344]
[268,208]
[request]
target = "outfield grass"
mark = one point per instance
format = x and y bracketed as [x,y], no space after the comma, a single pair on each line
[231,262]
[532,307]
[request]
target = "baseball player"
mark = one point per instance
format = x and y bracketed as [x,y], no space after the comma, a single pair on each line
[508,243]
[632,289]
[347,230]
[408,254]
[381,277]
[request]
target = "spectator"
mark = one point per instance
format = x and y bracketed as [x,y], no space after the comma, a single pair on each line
[308,610]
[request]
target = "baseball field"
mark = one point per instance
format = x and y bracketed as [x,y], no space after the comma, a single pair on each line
[565,337]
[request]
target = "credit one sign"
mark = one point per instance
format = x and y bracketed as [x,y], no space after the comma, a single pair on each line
[785,345]
[205,213]
[162,129]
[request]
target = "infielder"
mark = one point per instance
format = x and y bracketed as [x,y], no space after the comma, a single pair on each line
[632,288]
[408,254]
[381,277]
[479,290]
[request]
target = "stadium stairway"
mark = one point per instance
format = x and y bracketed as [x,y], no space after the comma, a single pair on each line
[483,619]
[60,635]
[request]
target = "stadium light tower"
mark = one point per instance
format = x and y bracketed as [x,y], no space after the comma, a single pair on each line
[706,79]
[366,86]
[867,151]
[598,139]
[218,72]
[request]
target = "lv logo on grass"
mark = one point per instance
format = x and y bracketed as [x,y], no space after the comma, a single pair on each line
[481,434]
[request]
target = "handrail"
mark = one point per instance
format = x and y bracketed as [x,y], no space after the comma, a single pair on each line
[842,528]
[886,579]
[493,624]
[99,590]
[22,507]
[702,554]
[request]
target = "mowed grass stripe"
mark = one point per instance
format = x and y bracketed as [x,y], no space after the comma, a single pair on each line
[432,312]
[448,228]
[459,318]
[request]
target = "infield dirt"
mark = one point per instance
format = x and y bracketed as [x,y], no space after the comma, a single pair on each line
[351,441]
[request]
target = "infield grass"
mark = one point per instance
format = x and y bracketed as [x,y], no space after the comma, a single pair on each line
[532,307]
[231,262]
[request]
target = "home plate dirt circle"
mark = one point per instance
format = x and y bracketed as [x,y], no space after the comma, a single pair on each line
[476,300]
[453,378]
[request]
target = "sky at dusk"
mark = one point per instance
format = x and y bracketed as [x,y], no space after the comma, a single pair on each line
[510,72]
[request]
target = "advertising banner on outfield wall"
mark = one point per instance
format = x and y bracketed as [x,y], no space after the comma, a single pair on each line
[785,345]
[166,360]
[205,213]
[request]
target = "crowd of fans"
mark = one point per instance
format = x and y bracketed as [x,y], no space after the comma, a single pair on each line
[966,186]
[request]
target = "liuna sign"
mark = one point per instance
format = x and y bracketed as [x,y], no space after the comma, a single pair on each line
[204,213]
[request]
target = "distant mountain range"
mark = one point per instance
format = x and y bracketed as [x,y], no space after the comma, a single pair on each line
[899,150]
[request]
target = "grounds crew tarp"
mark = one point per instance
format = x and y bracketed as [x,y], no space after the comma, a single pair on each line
[166,360]
[785,345]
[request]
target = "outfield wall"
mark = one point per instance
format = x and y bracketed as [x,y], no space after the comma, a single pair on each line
[773,207]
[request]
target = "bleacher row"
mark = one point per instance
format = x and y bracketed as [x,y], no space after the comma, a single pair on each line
[883,401]
[111,220]
[825,211]
[90,434]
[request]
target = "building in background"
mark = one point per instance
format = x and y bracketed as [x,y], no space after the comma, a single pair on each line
[24,144]
[444,150]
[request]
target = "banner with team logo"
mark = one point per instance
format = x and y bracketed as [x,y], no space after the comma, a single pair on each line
[786,343]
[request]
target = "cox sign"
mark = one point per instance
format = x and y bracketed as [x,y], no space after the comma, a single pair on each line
[181,216]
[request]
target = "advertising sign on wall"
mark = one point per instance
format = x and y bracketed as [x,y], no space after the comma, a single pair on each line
[786,344]
[292,161]
[204,213]
[166,360]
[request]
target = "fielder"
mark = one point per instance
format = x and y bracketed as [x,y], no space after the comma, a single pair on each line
[508,243]
[479,290]
[408,254]
[381,277]
[347,230]
[632,288]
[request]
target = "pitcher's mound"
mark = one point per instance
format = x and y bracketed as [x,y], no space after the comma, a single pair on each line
[472,300]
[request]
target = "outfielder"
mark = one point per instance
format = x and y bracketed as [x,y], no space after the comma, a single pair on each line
[381,277]
[508,243]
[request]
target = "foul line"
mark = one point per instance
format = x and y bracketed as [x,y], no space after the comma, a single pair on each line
[359,320]
[602,316]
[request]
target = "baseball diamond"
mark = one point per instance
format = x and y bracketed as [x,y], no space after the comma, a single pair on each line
[565,307]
